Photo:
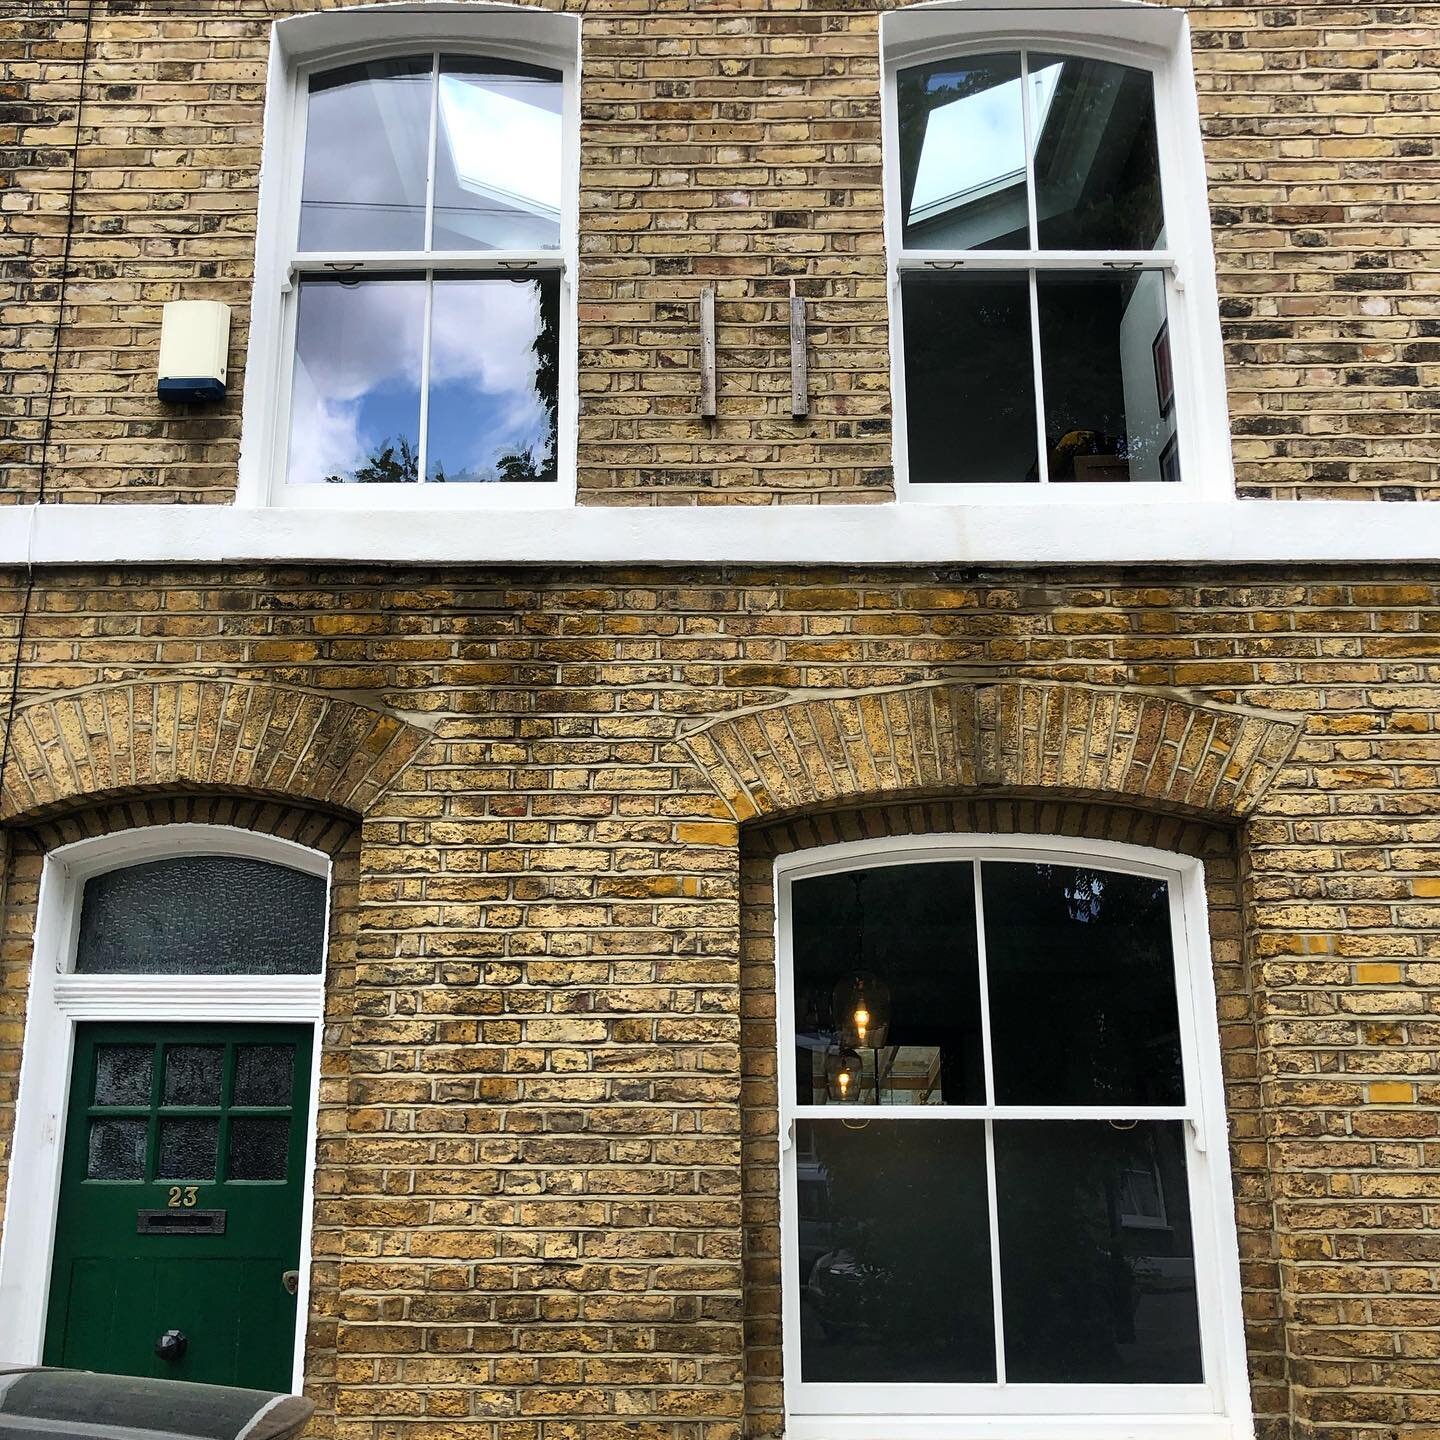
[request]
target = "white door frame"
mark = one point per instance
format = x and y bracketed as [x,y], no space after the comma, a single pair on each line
[59,1000]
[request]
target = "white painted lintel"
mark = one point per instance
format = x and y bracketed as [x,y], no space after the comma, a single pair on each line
[1257,532]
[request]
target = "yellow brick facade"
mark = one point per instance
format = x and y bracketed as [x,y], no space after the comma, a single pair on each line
[546,1178]
[735,145]
[545,1201]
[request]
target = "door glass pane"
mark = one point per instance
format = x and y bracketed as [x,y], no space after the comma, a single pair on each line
[1097,168]
[1105,363]
[202,915]
[969,378]
[497,156]
[355,399]
[962,155]
[894,1252]
[367,139]
[187,1149]
[1097,1263]
[263,1074]
[494,379]
[1082,987]
[117,1150]
[907,934]
[192,1074]
[122,1074]
[258,1147]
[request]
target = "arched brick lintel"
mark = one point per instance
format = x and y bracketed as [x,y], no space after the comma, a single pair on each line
[193,731]
[1157,748]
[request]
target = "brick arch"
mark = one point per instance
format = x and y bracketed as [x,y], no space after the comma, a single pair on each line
[235,735]
[1148,746]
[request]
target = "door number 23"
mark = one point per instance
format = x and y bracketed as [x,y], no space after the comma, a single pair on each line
[181,1195]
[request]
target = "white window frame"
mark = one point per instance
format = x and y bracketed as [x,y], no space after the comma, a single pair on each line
[1154,38]
[1218,1409]
[59,1000]
[300,46]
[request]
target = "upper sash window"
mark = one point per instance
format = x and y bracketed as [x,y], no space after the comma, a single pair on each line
[446,373]
[413,329]
[1041,237]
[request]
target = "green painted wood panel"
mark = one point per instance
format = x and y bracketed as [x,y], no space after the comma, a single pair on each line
[174,1131]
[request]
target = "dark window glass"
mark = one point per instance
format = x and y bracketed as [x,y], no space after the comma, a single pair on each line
[187,1149]
[123,1073]
[202,915]
[1097,168]
[355,396]
[1105,367]
[494,378]
[895,1282]
[962,155]
[264,1074]
[192,1074]
[497,156]
[969,378]
[258,1147]
[1082,987]
[367,138]
[1097,1263]
[117,1150]
[913,926]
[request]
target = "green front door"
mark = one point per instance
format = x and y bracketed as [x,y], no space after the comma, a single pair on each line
[177,1245]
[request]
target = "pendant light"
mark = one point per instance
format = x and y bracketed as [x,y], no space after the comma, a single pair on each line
[843,1075]
[862,1010]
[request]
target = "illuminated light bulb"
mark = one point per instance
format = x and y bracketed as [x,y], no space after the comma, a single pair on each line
[843,1074]
[861,1005]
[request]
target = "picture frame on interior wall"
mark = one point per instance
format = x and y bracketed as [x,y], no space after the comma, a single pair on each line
[1164,370]
[59,1000]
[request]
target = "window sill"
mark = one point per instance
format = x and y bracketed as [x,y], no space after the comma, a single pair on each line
[1016,1427]
[1229,532]
[417,500]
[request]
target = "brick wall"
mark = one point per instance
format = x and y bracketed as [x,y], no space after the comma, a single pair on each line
[533,1221]
[737,145]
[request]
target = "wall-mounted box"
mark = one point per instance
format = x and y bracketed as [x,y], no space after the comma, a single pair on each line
[194,347]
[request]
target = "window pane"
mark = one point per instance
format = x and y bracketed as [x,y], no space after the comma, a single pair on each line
[894,1248]
[122,1074]
[367,140]
[962,155]
[497,156]
[355,402]
[911,927]
[1082,987]
[1097,1263]
[116,1150]
[187,1149]
[969,378]
[1097,169]
[258,1148]
[494,379]
[263,1074]
[1105,365]
[192,1074]
[202,915]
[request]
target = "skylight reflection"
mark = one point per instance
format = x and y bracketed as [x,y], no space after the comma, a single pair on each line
[974,146]
[524,170]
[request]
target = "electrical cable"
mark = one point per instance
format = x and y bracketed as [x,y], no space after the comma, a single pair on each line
[12,701]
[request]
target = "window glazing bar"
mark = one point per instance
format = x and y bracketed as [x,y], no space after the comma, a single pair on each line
[510,261]
[1125,1113]
[1035,260]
